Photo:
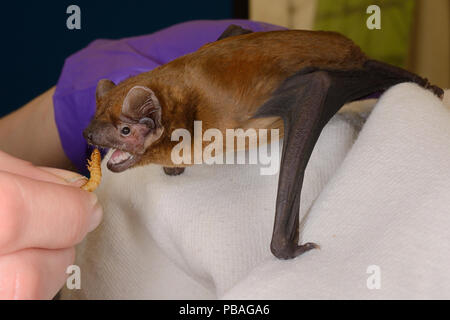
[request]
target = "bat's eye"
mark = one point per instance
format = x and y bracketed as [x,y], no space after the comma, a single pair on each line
[125,131]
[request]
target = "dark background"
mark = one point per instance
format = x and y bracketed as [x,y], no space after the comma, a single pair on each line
[36,41]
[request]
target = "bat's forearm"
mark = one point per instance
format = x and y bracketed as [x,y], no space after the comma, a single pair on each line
[30,133]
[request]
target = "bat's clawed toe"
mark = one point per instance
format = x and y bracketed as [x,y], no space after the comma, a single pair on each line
[175,171]
[436,90]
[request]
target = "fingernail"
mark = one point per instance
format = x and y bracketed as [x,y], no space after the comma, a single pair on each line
[78,181]
[96,217]
[93,199]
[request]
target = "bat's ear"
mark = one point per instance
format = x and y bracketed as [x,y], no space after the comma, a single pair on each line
[233,30]
[140,104]
[103,88]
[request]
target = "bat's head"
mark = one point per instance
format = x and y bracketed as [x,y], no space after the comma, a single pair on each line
[128,120]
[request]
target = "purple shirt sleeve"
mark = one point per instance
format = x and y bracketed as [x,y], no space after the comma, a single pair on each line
[74,98]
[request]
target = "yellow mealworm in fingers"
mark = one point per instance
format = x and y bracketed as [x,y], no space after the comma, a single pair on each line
[95,170]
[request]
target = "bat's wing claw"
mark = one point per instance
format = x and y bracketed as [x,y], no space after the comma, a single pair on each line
[305,247]
[233,30]
[311,245]
[292,250]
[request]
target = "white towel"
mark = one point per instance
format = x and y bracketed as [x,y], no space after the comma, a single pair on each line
[377,200]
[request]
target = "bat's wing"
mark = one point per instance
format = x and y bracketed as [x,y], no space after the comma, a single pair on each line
[306,102]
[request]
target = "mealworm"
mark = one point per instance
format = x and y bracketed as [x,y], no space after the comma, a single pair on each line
[95,170]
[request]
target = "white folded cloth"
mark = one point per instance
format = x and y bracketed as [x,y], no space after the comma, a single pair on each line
[376,201]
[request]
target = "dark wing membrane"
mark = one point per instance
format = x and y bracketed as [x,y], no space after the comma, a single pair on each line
[306,101]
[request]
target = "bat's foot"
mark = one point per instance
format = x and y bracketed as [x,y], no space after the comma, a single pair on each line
[173,171]
[436,90]
[393,72]
[291,250]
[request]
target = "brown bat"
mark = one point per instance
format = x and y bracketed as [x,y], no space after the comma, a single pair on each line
[291,80]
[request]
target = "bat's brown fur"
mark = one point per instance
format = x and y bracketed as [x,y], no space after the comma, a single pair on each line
[291,80]
[224,82]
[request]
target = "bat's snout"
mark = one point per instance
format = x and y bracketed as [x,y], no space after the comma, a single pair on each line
[94,132]
[88,135]
[102,134]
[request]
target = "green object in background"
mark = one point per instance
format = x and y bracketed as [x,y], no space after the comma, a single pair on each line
[389,44]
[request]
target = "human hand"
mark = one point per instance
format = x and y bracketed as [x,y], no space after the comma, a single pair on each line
[43,215]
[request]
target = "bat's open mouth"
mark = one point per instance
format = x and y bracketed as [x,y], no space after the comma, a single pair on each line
[121,160]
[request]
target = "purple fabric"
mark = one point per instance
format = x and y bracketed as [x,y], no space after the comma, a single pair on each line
[74,98]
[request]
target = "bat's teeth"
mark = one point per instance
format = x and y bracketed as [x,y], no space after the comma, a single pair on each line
[119,156]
